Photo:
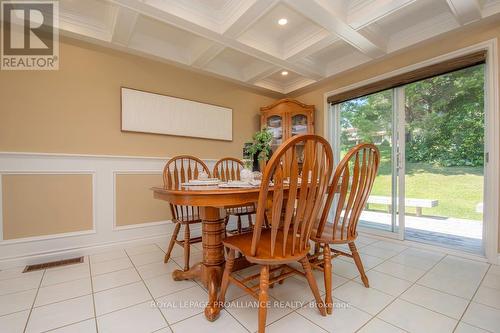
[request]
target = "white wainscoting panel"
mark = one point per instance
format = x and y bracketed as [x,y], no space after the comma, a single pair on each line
[53,247]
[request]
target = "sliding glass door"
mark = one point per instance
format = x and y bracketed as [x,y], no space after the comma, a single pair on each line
[444,159]
[371,119]
[431,136]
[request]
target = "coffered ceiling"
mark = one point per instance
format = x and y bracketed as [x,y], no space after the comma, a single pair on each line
[242,39]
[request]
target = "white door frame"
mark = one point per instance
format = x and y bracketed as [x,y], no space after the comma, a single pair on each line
[492,137]
[399,106]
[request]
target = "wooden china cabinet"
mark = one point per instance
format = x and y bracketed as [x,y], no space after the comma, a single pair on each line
[286,118]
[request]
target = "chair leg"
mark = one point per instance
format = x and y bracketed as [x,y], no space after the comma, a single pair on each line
[266,221]
[317,247]
[239,224]
[314,286]
[187,237]
[172,242]
[327,271]
[225,277]
[226,221]
[263,297]
[359,264]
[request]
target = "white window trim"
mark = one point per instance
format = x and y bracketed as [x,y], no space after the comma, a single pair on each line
[492,173]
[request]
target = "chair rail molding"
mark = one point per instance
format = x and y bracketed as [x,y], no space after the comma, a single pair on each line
[104,235]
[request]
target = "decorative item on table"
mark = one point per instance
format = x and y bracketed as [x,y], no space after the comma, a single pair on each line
[246,174]
[203,175]
[202,182]
[257,175]
[237,184]
[242,184]
[260,148]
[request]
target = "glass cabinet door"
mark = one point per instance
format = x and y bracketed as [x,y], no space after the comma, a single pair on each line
[299,124]
[275,126]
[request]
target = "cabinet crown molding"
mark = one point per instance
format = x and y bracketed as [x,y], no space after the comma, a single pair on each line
[285,100]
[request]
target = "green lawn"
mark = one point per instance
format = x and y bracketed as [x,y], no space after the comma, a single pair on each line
[458,189]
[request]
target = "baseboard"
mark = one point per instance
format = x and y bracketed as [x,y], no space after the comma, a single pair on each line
[77,252]
[87,250]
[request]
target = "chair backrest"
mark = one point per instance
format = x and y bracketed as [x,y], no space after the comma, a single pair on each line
[351,185]
[228,168]
[178,170]
[296,200]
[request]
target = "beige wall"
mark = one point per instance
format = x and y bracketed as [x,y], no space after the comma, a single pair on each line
[134,200]
[43,204]
[446,43]
[77,108]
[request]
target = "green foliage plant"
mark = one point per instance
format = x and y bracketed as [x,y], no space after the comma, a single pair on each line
[261,144]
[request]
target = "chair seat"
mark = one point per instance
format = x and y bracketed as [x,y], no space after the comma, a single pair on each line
[243,242]
[327,235]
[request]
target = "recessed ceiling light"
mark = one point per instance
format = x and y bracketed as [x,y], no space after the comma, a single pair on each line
[284,73]
[282,21]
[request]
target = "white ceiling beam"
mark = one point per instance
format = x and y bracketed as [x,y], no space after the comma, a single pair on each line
[260,74]
[239,24]
[465,11]
[204,57]
[123,26]
[374,11]
[376,35]
[148,8]
[336,25]
[340,7]
[311,49]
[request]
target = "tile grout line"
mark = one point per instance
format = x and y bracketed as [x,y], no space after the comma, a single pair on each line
[34,300]
[347,280]
[307,319]
[147,288]
[201,286]
[395,297]
[421,285]
[141,280]
[470,301]
[77,322]
[66,325]
[353,280]
[267,324]
[70,298]
[398,297]
[93,298]
[229,313]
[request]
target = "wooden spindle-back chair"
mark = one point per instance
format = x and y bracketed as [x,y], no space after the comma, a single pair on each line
[228,169]
[178,170]
[351,185]
[296,203]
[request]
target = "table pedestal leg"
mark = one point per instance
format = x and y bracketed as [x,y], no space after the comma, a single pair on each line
[213,256]
[210,270]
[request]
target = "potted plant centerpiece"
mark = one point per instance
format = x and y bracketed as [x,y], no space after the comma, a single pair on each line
[259,150]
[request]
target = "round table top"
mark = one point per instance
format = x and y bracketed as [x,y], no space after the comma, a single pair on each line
[207,195]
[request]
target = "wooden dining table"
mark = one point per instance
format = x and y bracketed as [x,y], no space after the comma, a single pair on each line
[211,200]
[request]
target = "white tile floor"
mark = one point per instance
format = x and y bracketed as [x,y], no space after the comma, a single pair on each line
[131,290]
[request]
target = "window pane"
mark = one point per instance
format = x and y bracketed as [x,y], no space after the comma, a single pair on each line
[444,134]
[369,119]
